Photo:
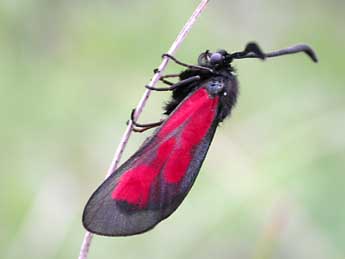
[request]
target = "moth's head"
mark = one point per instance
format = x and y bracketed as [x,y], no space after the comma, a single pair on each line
[222,59]
[218,59]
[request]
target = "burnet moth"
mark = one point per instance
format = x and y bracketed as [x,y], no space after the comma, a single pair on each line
[154,181]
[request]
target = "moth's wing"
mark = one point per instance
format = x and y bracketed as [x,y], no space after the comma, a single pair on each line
[154,181]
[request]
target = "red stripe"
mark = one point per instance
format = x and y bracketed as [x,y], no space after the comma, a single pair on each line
[188,125]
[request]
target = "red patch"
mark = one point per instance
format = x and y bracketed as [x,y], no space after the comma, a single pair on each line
[176,168]
[134,185]
[185,128]
[189,108]
[193,132]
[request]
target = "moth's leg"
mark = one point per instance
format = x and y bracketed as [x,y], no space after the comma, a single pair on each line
[162,78]
[139,130]
[174,86]
[194,67]
[139,127]
[166,82]
[170,75]
[156,70]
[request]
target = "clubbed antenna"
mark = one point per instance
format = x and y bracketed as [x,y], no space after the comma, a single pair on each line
[252,50]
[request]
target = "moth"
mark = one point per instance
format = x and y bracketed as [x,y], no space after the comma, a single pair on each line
[154,181]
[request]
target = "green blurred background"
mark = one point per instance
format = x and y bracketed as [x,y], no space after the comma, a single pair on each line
[273,183]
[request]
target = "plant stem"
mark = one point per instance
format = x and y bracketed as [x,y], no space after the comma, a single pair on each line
[84,250]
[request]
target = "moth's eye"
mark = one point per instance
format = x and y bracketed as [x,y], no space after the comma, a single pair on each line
[216,58]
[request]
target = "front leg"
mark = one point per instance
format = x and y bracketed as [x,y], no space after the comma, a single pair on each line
[193,67]
[174,86]
[162,78]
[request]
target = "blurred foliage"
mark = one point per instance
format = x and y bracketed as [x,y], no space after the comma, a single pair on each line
[273,183]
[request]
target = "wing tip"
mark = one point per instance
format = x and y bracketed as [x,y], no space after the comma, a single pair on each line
[102,226]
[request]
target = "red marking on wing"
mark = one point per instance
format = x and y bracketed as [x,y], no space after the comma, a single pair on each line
[172,150]
[134,186]
[190,107]
[191,136]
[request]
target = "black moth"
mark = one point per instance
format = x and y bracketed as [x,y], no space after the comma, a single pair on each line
[153,182]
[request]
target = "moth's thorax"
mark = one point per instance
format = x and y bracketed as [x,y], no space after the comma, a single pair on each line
[215,86]
[224,85]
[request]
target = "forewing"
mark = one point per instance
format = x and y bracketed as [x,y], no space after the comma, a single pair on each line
[154,181]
